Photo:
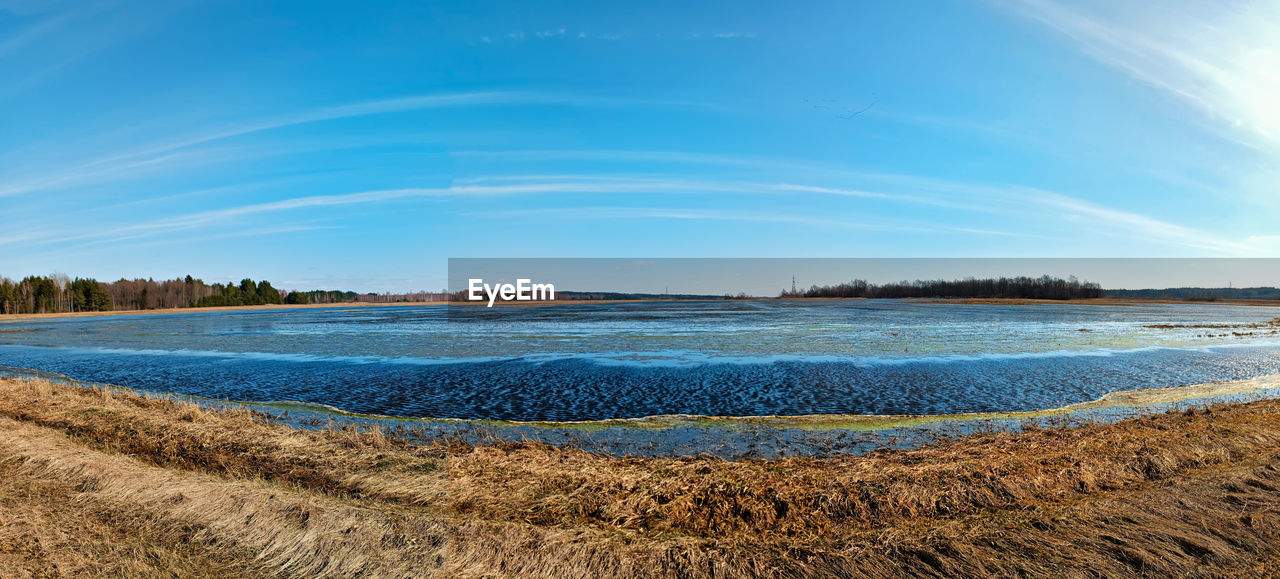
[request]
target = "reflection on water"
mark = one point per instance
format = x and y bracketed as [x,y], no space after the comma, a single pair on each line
[594,361]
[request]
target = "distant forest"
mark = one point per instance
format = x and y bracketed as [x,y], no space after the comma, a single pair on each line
[59,293]
[1199,293]
[337,297]
[1040,288]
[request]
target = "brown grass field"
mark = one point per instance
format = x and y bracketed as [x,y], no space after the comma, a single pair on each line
[107,483]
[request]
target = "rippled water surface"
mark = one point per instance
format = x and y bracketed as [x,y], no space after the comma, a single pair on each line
[595,361]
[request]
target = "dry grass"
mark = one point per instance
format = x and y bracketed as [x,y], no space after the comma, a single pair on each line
[229,493]
[43,533]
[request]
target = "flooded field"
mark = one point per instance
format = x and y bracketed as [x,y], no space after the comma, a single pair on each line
[614,361]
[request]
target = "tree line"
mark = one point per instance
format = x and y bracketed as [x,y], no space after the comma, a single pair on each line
[247,293]
[320,297]
[59,293]
[336,296]
[1040,288]
[1199,293]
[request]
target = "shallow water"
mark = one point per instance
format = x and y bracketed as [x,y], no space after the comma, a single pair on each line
[597,361]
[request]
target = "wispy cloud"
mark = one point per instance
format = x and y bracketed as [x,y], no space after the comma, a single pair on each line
[72,33]
[723,35]
[110,165]
[374,107]
[980,127]
[687,214]
[549,33]
[220,216]
[1126,222]
[1011,200]
[196,240]
[1024,207]
[684,157]
[616,213]
[1221,58]
[35,32]
[831,191]
[233,215]
[159,154]
[479,187]
[551,178]
[1017,200]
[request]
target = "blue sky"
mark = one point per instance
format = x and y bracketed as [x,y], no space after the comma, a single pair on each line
[360,145]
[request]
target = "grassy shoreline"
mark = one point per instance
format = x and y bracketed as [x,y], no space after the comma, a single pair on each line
[106,483]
